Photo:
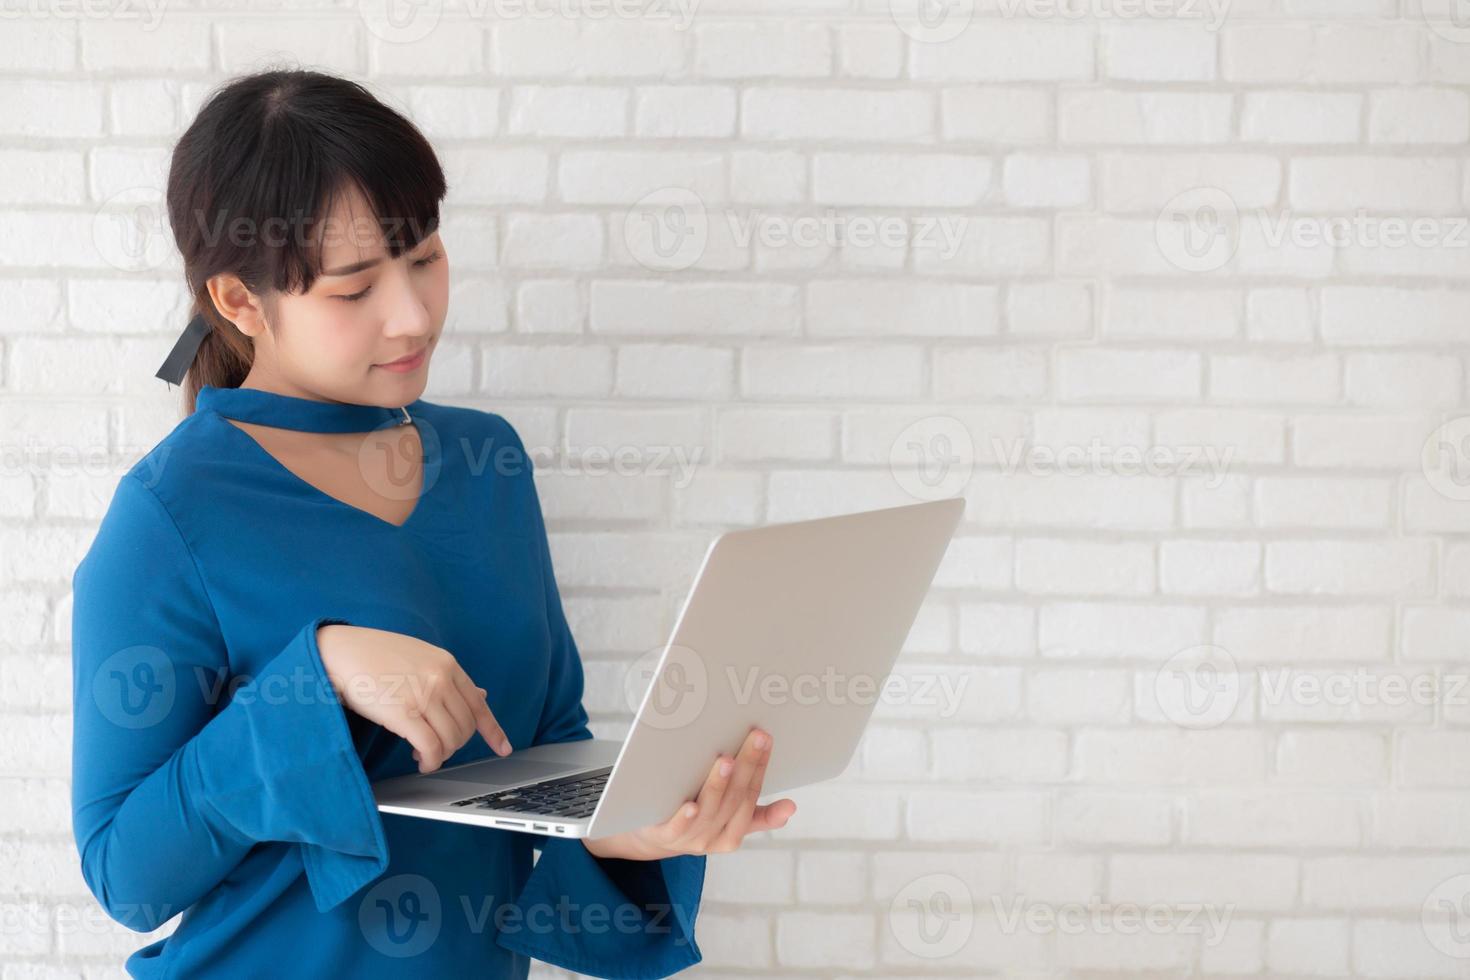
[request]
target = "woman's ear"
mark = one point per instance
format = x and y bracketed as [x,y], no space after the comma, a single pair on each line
[238,304]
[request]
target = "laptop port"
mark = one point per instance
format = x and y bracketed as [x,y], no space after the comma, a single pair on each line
[538,826]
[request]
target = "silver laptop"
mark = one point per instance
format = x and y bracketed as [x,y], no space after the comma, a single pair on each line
[791,627]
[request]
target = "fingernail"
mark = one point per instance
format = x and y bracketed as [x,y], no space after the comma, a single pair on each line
[689,810]
[505,746]
[725,768]
[760,740]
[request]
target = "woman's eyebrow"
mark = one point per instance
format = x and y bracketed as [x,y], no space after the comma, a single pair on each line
[348,270]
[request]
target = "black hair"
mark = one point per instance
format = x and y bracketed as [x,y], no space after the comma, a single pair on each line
[256,174]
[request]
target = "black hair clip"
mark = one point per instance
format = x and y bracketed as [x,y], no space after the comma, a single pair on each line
[176,365]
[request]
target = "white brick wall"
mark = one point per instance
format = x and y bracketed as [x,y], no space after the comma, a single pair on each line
[1207,622]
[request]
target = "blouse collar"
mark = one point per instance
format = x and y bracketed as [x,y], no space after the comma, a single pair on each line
[303,414]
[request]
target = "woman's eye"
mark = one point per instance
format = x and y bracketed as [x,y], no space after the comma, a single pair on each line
[426,260]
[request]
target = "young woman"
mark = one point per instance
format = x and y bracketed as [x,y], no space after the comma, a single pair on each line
[317,580]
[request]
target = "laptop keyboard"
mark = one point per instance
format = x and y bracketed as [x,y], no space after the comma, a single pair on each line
[570,796]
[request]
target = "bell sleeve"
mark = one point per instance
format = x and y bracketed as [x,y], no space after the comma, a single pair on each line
[179,768]
[627,919]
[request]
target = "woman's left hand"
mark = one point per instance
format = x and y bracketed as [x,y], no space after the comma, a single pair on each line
[717,820]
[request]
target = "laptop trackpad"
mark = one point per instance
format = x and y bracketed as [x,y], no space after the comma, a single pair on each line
[500,772]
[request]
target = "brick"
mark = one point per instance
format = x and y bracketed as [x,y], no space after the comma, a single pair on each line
[1127,117]
[836,114]
[992,114]
[1301,117]
[736,50]
[569,111]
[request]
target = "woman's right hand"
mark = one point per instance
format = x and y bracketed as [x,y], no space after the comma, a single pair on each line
[414,689]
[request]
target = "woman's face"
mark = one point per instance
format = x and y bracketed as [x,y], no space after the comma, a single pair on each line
[365,310]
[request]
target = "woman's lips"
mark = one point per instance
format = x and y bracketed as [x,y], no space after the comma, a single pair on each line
[409,364]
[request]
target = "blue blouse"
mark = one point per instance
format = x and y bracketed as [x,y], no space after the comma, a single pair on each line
[215,774]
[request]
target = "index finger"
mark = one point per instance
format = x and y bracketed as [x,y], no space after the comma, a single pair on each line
[485,722]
